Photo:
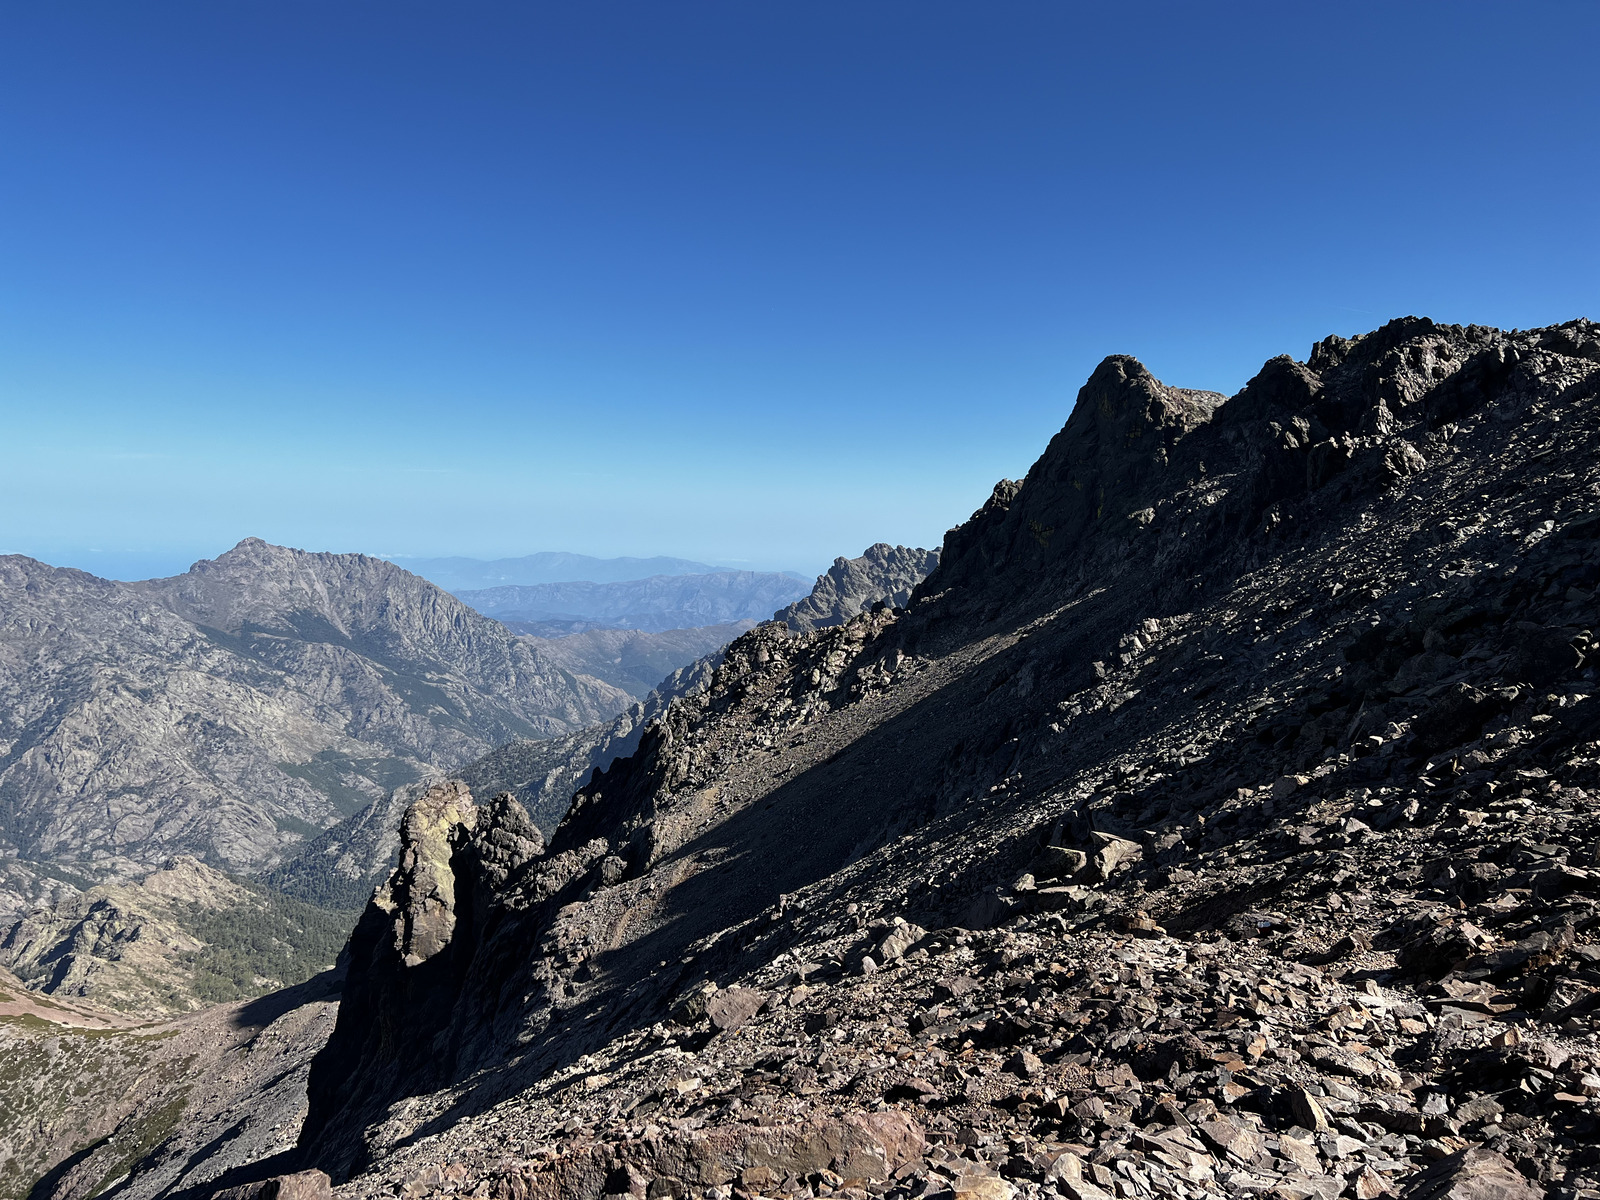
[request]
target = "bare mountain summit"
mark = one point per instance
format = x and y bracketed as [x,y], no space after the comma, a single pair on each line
[883,573]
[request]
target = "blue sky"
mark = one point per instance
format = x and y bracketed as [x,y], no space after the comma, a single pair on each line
[746,283]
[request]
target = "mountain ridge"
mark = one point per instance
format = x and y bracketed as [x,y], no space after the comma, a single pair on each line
[552,566]
[659,603]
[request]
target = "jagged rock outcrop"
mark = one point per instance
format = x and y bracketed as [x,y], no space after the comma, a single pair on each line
[230,712]
[654,605]
[883,574]
[1241,760]
[415,948]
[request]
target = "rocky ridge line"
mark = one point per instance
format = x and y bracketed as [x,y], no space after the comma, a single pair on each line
[1196,930]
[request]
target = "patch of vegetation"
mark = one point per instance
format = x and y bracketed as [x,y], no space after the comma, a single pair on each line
[294,825]
[324,889]
[270,937]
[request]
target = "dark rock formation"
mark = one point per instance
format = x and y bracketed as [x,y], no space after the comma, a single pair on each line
[1240,759]
[883,574]
[416,949]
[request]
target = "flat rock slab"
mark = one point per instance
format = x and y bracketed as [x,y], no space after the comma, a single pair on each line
[732,1007]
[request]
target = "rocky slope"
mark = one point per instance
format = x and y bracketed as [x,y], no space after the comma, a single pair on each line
[182,937]
[656,604]
[884,573]
[93,1103]
[233,711]
[1241,760]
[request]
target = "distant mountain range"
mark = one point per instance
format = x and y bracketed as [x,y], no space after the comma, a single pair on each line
[658,603]
[468,574]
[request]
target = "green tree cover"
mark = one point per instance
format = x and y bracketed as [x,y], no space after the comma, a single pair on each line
[271,937]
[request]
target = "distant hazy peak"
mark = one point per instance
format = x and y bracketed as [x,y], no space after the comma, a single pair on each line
[883,572]
[457,574]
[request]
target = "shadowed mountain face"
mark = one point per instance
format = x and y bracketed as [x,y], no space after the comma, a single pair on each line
[234,710]
[1281,675]
[664,602]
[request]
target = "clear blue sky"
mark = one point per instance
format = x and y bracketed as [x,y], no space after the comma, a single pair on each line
[742,282]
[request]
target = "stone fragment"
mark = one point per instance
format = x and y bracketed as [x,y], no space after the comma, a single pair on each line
[982,1187]
[1472,1174]
[1082,1189]
[301,1185]
[1301,1153]
[1025,1063]
[1111,852]
[899,939]
[1306,1110]
[691,1006]
[1369,1185]
[1231,1137]
[732,1007]
[1059,862]
[1288,785]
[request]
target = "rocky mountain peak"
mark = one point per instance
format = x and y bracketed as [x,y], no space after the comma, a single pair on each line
[882,574]
[1112,458]
[262,586]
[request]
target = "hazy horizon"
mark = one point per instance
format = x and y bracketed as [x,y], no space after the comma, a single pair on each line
[132,565]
